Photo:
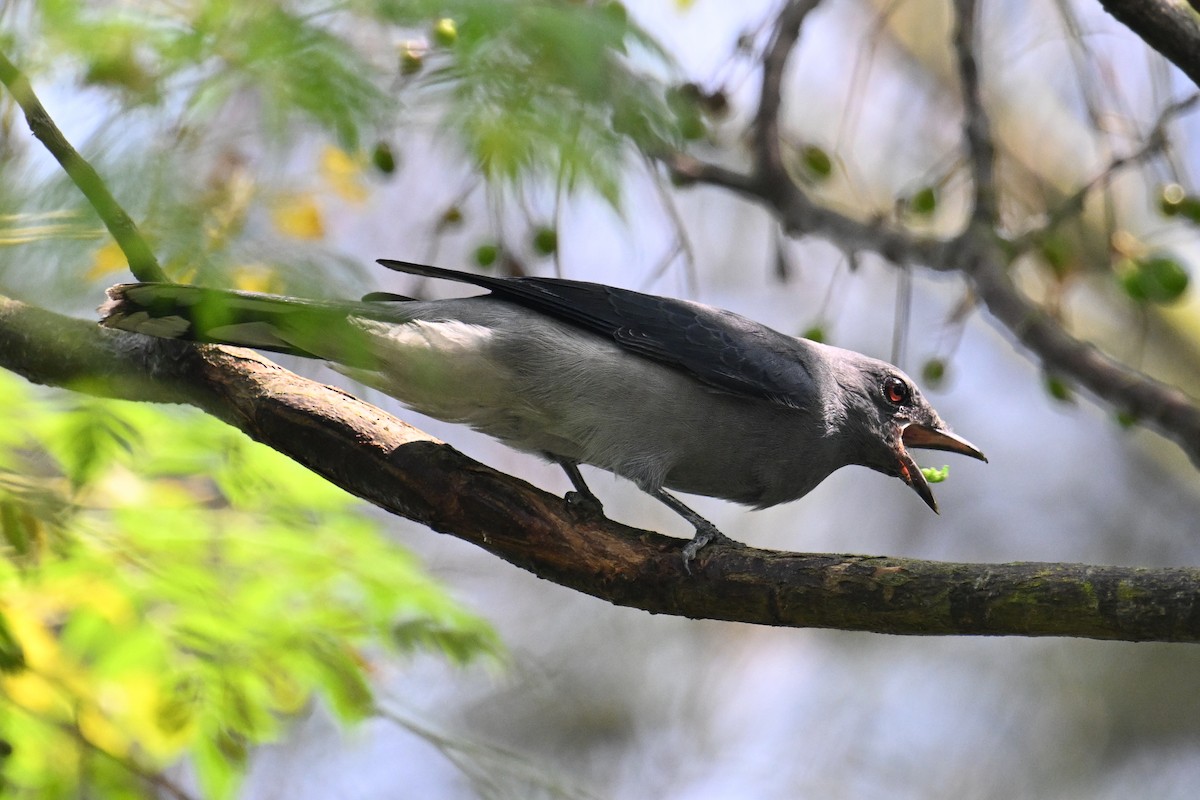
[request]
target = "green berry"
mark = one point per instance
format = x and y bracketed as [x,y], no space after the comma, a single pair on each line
[445,32]
[1059,389]
[934,372]
[924,202]
[383,158]
[817,162]
[486,254]
[545,241]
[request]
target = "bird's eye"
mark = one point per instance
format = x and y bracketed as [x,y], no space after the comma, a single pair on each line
[896,391]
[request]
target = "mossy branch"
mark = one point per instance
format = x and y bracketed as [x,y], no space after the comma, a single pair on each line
[399,468]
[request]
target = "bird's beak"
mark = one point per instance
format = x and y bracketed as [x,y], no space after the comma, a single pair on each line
[924,437]
[927,437]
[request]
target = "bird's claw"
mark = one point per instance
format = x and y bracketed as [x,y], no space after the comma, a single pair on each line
[584,504]
[705,535]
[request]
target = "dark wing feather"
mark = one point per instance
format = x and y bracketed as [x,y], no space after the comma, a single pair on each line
[719,348]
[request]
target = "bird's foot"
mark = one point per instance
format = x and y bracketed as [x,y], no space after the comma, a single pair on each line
[706,534]
[584,504]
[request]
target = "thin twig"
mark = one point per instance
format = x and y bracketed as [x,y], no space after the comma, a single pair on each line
[483,764]
[1155,142]
[142,262]
[683,243]
[976,128]
[767,139]
[1159,406]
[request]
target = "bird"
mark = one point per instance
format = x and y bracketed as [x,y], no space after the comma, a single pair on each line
[671,394]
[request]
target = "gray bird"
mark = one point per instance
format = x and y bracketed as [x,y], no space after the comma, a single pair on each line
[667,393]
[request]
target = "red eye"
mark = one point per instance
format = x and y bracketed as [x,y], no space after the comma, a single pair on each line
[896,391]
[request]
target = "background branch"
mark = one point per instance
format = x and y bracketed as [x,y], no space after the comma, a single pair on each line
[977,131]
[142,261]
[977,253]
[397,467]
[767,140]
[1168,27]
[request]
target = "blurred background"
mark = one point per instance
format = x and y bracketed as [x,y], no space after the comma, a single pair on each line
[590,700]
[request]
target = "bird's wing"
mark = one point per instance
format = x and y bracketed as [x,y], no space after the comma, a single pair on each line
[719,348]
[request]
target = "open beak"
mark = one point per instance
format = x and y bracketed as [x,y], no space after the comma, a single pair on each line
[926,437]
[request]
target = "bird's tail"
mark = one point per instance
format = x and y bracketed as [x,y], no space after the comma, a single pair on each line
[310,328]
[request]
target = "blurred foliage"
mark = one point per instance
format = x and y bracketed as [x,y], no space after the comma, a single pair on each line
[188,98]
[544,90]
[170,589]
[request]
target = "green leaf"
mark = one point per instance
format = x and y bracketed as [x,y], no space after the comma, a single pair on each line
[12,656]
[1155,279]
[219,760]
[91,435]
[545,91]
[1057,250]
[1163,279]
[296,66]
[458,642]
[341,678]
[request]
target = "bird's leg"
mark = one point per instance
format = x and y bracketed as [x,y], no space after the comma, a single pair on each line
[582,498]
[706,532]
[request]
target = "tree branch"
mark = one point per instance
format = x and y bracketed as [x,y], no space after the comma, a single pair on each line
[1157,405]
[767,141]
[391,464]
[976,128]
[1171,29]
[142,262]
[1153,403]
[1155,143]
[976,252]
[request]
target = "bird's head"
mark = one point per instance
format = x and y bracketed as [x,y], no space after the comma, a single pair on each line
[884,414]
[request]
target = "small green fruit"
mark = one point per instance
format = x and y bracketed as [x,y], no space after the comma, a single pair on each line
[817,162]
[1059,389]
[383,158]
[1170,197]
[412,58]
[486,254]
[934,372]
[924,202]
[445,32]
[545,241]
